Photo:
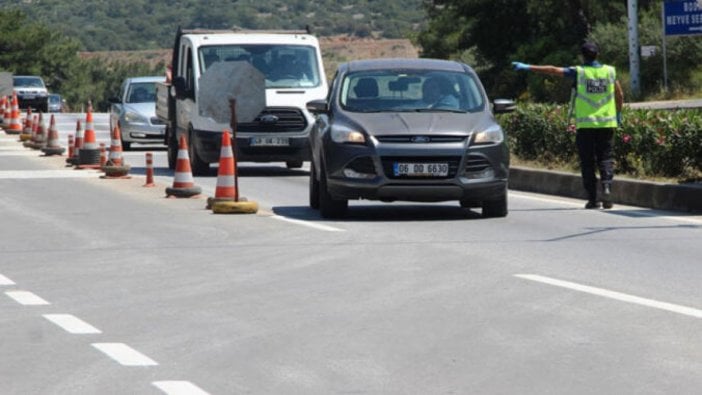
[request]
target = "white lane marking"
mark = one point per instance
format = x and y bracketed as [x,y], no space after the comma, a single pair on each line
[29,174]
[622,297]
[5,281]
[313,225]
[72,324]
[640,211]
[124,354]
[179,388]
[26,298]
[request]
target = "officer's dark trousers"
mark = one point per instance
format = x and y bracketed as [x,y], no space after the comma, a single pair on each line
[595,150]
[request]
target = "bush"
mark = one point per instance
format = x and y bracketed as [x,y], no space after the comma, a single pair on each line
[650,143]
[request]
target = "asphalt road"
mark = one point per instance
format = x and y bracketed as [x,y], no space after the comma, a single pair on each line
[107,287]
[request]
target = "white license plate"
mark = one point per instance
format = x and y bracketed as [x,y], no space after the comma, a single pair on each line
[420,169]
[269,141]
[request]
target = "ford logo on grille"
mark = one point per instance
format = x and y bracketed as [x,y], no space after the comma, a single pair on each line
[420,139]
[269,119]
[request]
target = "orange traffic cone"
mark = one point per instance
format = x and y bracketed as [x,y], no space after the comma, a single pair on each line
[89,153]
[183,183]
[39,134]
[52,143]
[71,146]
[15,125]
[115,166]
[4,117]
[27,130]
[77,144]
[226,184]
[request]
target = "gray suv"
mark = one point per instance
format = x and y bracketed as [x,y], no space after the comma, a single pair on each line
[411,130]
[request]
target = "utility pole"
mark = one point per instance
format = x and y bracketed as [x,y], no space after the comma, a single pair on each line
[634,47]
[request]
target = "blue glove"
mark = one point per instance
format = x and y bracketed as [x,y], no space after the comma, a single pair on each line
[519,66]
[619,119]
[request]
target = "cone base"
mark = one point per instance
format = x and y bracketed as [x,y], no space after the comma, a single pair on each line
[230,207]
[49,151]
[25,137]
[213,200]
[14,132]
[183,192]
[116,171]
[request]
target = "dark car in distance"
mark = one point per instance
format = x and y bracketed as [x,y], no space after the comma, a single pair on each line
[411,130]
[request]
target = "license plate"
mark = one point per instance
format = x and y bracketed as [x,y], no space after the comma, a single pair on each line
[269,141]
[29,97]
[420,169]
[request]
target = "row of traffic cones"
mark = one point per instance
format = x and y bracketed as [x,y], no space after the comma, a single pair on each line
[84,153]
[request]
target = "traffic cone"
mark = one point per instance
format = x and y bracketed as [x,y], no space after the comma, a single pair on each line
[71,146]
[77,144]
[3,105]
[183,183]
[15,126]
[115,166]
[28,142]
[39,134]
[27,131]
[103,155]
[149,170]
[52,143]
[89,153]
[226,184]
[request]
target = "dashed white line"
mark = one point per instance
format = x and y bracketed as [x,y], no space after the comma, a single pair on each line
[26,298]
[179,388]
[124,355]
[622,297]
[308,224]
[5,281]
[72,324]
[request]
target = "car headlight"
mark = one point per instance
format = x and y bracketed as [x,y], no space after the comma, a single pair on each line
[491,135]
[133,117]
[346,135]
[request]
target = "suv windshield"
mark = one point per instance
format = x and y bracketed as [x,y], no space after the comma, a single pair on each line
[28,82]
[284,66]
[141,92]
[411,90]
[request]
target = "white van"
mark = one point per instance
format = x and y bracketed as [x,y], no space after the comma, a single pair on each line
[291,62]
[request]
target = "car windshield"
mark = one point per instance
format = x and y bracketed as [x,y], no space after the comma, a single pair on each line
[411,91]
[284,66]
[29,82]
[141,92]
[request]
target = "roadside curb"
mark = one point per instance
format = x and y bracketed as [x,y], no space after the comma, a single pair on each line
[655,195]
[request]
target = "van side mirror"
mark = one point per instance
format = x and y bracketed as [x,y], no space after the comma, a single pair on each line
[113,100]
[179,85]
[317,106]
[502,106]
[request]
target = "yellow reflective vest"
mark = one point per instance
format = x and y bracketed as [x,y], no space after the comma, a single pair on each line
[594,99]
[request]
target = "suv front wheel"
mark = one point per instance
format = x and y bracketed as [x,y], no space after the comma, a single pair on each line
[328,206]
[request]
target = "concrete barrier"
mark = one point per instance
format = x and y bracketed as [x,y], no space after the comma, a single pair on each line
[656,195]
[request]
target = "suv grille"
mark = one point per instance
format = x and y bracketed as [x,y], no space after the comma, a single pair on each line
[388,162]
[275,120]
[426,139]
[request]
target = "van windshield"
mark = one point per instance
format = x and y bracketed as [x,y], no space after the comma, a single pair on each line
[29,82]
[283,66]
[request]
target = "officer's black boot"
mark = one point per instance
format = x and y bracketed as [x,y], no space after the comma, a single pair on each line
[607,196]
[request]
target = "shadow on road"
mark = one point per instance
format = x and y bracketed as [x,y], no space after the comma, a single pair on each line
[384,213]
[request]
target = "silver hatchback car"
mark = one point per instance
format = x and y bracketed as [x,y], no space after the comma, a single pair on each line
[135,112]
[408,129]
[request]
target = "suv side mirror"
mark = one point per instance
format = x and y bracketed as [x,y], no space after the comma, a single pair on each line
[179,85]
[317,106]
[502,106]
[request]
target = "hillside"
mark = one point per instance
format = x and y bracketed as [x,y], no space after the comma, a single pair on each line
[151,24]
[335,49]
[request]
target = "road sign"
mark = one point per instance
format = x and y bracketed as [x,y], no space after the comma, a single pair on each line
[238,80]
[682,17]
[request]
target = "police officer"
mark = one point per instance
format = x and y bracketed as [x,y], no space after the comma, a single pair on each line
[598,105]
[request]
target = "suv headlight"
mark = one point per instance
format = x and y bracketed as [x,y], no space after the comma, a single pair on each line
[491,135]
[341,134]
